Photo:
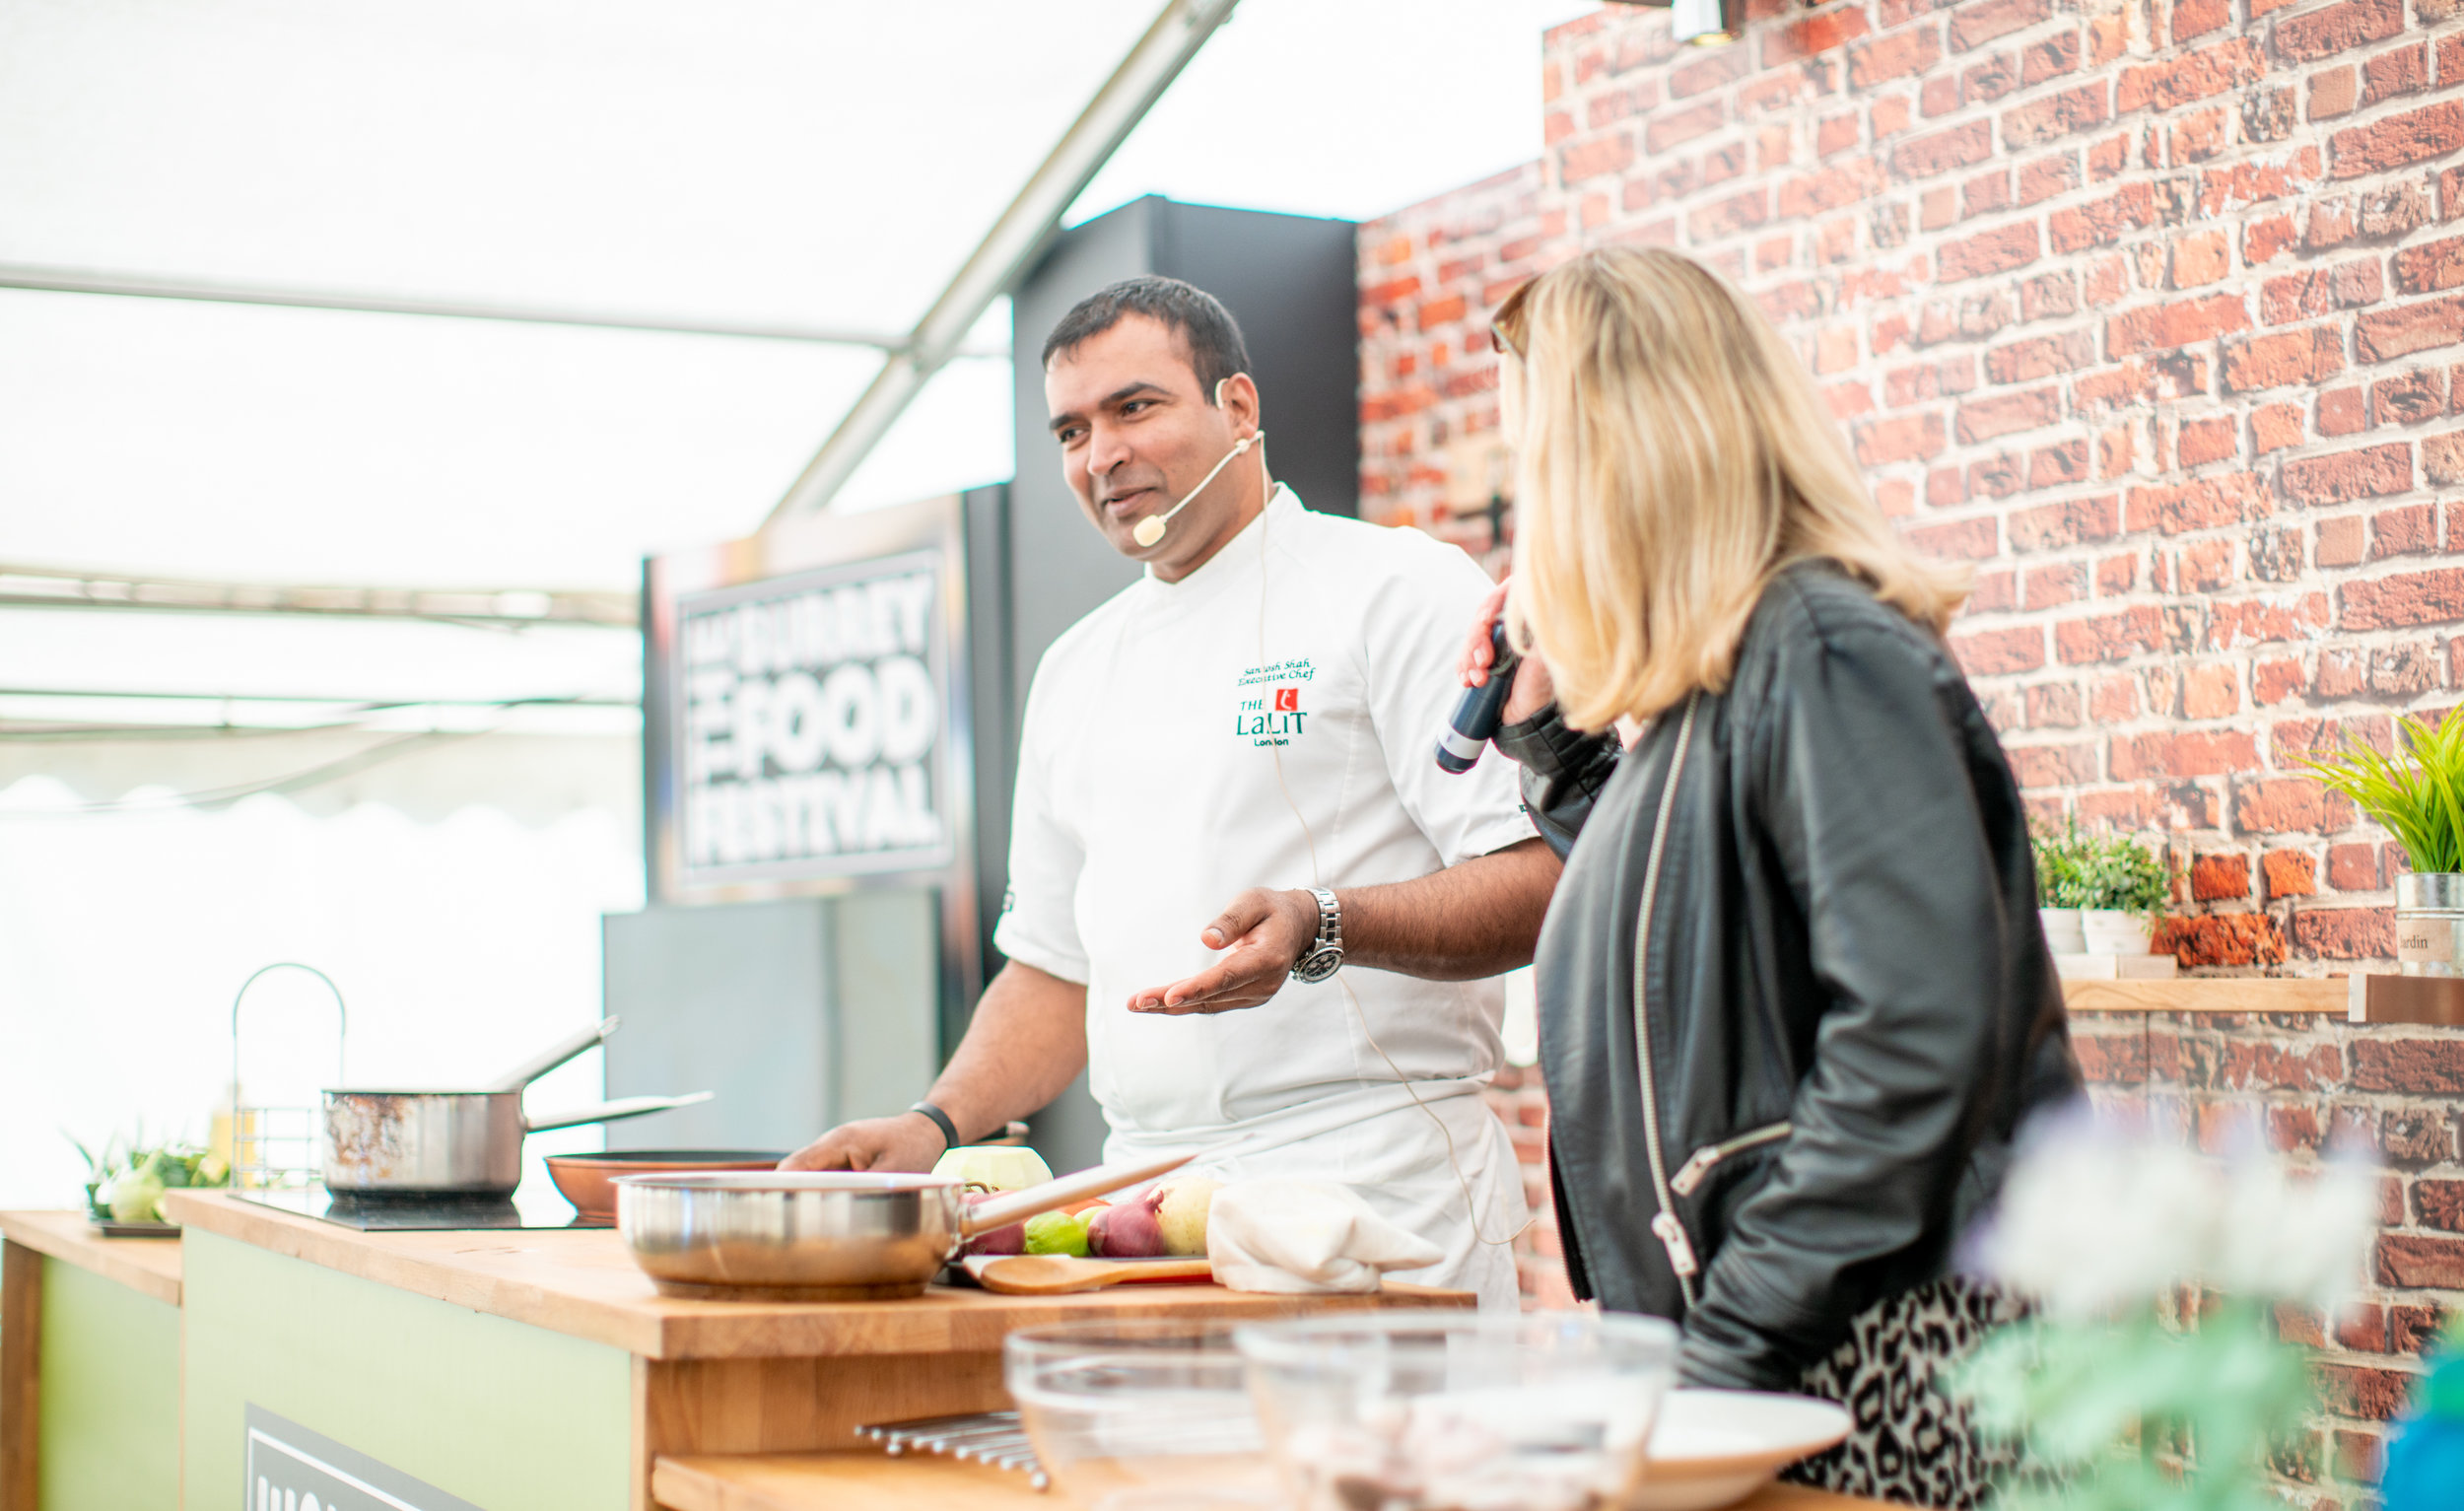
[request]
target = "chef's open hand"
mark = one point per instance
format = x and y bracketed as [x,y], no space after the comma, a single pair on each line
[908,1142]
[1265,933]
[1532,691]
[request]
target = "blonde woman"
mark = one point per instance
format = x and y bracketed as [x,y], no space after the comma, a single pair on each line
[1794,1000]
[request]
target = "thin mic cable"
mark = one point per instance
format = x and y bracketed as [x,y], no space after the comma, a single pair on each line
[1454,1160]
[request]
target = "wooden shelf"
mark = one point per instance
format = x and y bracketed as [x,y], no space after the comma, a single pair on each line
[2324,997]
[871,1480]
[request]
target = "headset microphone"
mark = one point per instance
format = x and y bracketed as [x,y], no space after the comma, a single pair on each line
[1477,712]
[1151,528]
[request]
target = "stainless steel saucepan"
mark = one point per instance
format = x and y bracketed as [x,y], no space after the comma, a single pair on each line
[459,1142]
[834,1235]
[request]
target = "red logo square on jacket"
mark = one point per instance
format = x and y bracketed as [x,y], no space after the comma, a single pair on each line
[1287,700]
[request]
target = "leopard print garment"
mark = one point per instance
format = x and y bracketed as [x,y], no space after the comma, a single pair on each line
[1909,1442]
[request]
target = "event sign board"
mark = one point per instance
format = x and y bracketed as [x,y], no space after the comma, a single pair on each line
[291,1468]
[807,716]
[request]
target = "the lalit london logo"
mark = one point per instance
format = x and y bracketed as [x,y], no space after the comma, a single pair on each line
[1269,711]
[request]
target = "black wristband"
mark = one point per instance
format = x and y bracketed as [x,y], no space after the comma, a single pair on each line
[941,1120]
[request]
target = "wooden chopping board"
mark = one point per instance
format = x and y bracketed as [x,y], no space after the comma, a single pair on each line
[1054,1274]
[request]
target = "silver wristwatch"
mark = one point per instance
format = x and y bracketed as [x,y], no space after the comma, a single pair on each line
[1325,955]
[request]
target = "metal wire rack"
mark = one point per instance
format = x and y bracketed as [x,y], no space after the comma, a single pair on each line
[276,1148]
[982,1437]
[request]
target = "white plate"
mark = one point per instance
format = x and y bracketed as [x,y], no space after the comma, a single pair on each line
[1715,1448]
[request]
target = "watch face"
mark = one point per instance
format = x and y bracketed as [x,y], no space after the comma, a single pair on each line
[1317,966]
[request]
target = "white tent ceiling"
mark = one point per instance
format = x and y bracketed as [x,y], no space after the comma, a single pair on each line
[818,162]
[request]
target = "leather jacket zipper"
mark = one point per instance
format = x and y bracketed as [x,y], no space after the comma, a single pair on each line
[1699,1164]
[1664,1225]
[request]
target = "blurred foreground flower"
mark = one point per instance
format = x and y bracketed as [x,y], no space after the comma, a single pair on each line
[2115,1406]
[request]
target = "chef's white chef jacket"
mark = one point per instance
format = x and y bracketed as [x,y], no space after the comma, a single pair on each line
[1270,721]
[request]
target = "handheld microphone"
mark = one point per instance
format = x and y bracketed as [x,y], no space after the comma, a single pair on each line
[1477,712]
[1151,528]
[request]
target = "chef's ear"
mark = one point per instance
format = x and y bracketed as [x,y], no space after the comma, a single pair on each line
[1222,383]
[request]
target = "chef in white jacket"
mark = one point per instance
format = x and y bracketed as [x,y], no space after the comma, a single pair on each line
[1227,800]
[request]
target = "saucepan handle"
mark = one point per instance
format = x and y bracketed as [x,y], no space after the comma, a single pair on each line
[609,1112]
[1017,1205]
[555,1055]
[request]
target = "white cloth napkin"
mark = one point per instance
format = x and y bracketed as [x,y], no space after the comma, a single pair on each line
[1300,1237]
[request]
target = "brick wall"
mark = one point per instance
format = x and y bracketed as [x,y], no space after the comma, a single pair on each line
[2154,311]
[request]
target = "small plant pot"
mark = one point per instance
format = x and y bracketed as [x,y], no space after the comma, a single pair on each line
[2429,924]
[2063,934]
[2112,931]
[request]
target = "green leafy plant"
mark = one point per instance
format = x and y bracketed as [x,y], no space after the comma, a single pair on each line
[126,1180]
[2417,794]
[2078,871]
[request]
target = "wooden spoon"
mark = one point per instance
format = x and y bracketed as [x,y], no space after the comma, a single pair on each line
[1054,1274]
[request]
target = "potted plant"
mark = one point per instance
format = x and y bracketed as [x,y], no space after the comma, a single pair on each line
[2058,887]
[2416,794]
[2121,886]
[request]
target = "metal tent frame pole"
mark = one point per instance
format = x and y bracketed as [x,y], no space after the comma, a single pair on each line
[1011,247]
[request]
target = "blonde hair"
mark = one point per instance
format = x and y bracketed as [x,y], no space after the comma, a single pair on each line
[1673,458]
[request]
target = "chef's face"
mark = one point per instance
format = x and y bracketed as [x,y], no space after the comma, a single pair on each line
[1136,434]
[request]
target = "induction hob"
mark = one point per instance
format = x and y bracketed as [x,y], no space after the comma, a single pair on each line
[419,1211]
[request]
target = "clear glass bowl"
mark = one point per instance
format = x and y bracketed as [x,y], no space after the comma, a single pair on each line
[1140,1413]
[1418,1411]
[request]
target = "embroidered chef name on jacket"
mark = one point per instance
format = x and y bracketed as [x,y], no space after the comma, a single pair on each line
[1269,711]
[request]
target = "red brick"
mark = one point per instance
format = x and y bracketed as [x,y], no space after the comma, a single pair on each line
[1611,153]
[2204,441]
[1673,128]
[2346,933]
[2318,290]
[2431,266]
[1981,21]
[2221,939]
[2192,77]
[2398,141]
[2325,32]
[2054,56]
[1904,437]
[2408,398]
[2285,357]
[2055,116]
[2003,414]
[2052,526]
[2205,566]
[1810,194]
[2408,532]
[1959,147]
[2409,598]
[2000,653]
[2053,766]
[2288,874]
[2110,1059]
[2101,222]
[1966,540]
[1728,217]
[2248,1067]
[2442,458]
[2187,753]
[2257,621]
[2047,176]
[1896,55]
[2341,542]
[2056,466]
[1707,69]
[2205,503]
[2370,472]
[2341,412]
[2264,238]
[2040,357]
[2353,867]
[2210,692]
[2273,681]
[2219,879]
[2379,1394]
[2275,427]
[2397,71]
[2109,637]
[1812,35]
[2279,805]
[2176,324]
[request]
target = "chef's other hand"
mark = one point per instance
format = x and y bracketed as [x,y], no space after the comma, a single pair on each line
[908,1142]
[1532,691]
[1266,932]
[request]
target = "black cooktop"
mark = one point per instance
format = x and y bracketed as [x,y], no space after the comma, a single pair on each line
[418,1212]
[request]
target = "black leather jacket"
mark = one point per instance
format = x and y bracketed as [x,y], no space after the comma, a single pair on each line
[1850,1002]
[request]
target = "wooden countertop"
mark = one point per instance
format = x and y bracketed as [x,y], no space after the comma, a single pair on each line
[580,1281]
[146,1264]
[865,1480]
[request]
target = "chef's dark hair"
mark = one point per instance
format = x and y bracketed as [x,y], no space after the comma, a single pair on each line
[1205,328]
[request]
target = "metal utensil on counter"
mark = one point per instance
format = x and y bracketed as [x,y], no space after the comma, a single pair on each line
[459,1141]
[835,1235]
